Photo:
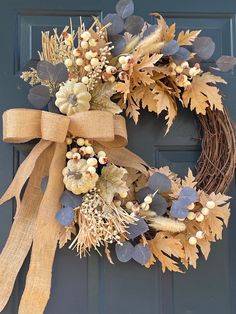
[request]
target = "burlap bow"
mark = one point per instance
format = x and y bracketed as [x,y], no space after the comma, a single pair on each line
[34,223]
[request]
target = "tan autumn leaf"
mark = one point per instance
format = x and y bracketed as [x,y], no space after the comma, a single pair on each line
[123,88]
[111,182]
[189,180]
[205,247]
[132,109]
[65,235]
[168,32]
[101,98]
[163,247]
[165,102]
[200,95]
[190,251]
[186,38]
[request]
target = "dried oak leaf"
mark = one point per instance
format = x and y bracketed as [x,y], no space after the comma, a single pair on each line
[200,95]
[190,255]
[110,182]
[189,180]
[163,247]
[168,32]
[65,235]
[101,98]
[186,38]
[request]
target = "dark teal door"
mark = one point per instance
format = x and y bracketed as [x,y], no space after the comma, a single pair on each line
[92,285]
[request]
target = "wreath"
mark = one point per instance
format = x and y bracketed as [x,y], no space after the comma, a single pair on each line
[83,187]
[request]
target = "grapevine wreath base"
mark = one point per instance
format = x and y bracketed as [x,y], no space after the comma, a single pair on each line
[83,187]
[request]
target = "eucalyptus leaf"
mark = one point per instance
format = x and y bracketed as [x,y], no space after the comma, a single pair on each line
[134,24]
[182,54]
[150,30]
[160,182]
[141,254]
[52,107]
[179,209]
[188,195]
[140,227]
[204,47]
[45,70]
[117,23]
[65,216]
[125,8]
[159,204]
[226,63]
[44,184]
[70,200]
[119,44]
[49,72]
[39,96]
[60,73]
[170,48]
[124,252]
[141,194]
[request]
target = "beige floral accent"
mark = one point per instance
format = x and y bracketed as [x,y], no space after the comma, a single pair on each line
[77,178]
[72,97]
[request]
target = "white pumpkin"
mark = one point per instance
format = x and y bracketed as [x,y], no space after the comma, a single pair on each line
[77,178]
[73,97]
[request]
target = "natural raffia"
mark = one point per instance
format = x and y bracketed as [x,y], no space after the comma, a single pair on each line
[216,164]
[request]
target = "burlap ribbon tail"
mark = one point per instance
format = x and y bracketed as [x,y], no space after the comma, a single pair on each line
[34,223]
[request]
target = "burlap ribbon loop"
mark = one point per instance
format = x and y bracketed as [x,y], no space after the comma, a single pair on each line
[23,125]
[36,216]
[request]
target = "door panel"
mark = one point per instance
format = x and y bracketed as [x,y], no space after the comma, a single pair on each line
[92,285]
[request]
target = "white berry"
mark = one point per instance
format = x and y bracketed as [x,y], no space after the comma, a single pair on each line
[200,234]
[76,156]
[89,150]
[122,60]
[191,206]
[200,217]
[148,199]
[205,211]
[88,68]
[101,153]
[94,62]
[79,61]
[210,204]
[91,161]
[92,42]
[91,169]
[192,241]
[86,35]
[84,44]
[76,53]
[68,63]
[102,160]
[117,203]
[129,205]
[125,67]
[80,141]
[123,194]
[85,80]
[68,140]
[69,155]
[191,216]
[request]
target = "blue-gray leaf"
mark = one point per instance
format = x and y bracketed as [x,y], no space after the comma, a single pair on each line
[141,194]
[65,216]
[159,204]
[134,24]
[47,71]
[52,107]
[204,47]
[150,30]
[118,42]
[179,209]
[188,195]
[39,96]
[140,227]
[226,63]
[44,184]
[170,48]
[124,252]
[125,8]
[71,200]
[117,25]
[160,182]
[182,54]
[60,73]
[141,254]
